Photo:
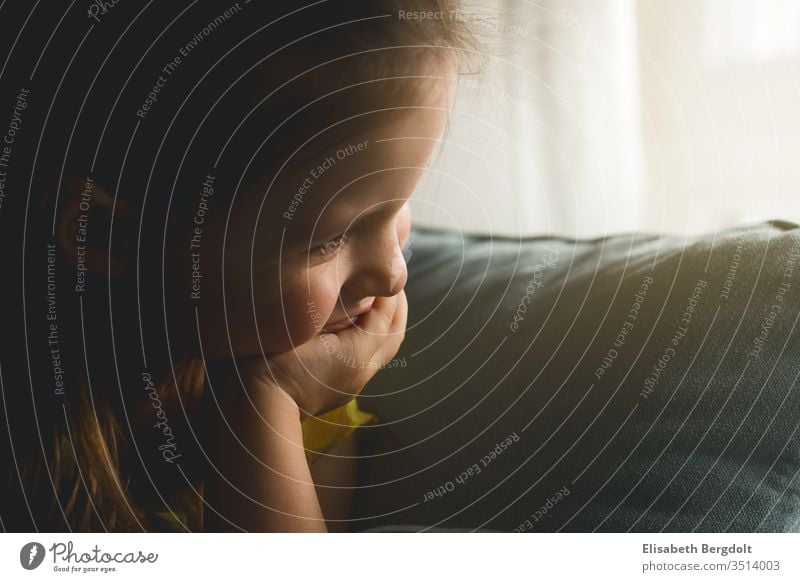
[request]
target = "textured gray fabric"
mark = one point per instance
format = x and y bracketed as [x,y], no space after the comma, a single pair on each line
[588,414]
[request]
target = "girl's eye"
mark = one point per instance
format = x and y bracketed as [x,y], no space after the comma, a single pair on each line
[330,247]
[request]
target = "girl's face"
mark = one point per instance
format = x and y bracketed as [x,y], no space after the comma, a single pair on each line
[317,248]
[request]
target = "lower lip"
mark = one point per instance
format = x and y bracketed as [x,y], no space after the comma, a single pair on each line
[340,325]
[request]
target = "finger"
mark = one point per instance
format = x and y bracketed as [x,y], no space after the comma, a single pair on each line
[377,320]
[400,320]
[396,333]
[367,337]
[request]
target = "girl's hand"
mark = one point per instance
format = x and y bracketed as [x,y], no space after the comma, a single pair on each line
[332,368]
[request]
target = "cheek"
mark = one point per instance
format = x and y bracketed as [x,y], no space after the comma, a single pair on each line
[296,314]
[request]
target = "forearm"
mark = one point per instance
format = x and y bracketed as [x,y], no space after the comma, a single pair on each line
[335,476]
[259,479]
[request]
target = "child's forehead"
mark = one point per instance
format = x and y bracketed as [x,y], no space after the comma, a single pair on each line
[370,173]
[311,214]
[363,170]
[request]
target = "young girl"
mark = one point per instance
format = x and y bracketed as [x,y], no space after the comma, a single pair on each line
[214,268]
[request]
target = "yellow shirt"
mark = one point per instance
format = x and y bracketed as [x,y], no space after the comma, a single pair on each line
[320,432]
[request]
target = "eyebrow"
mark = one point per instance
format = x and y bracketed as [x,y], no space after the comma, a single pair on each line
[301,237]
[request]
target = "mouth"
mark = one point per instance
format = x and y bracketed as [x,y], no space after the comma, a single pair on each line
[355,317]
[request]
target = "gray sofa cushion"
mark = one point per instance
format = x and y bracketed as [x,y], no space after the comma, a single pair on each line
[631,383]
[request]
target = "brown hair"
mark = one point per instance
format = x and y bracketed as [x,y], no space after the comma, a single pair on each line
[291,72]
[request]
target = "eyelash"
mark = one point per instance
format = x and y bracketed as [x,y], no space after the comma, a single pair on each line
[330,247]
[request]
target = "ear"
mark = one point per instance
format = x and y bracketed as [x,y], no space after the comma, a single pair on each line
[86,214]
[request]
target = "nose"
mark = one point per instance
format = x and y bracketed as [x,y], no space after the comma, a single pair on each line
[379,268]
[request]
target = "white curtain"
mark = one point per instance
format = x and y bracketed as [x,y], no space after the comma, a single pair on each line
[596,117]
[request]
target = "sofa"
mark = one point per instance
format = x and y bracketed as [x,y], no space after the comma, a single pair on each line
[636,382]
